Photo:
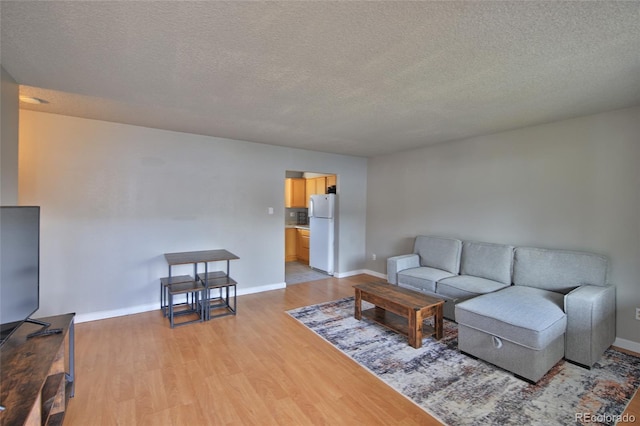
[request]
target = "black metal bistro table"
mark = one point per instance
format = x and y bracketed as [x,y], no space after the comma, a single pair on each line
[198,288]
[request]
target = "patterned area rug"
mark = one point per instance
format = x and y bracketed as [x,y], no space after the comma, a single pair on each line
[460,390]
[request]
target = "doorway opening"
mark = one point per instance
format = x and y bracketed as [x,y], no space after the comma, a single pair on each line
[306,254]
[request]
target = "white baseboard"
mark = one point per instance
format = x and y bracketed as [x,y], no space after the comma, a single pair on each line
[627,344]
[260,289]
[100,315]
[358,272]
[95,316]
[375,274]
[348,274]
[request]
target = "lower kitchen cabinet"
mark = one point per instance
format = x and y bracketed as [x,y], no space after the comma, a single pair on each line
[290,244]
[303,245]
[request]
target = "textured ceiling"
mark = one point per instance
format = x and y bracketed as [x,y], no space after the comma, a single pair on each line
[359,78]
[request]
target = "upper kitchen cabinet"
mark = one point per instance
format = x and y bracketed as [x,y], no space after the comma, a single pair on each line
[319,185]
[331,181]
[295,193]
[315,186]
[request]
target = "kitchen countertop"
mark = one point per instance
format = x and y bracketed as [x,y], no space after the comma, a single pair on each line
[296,226]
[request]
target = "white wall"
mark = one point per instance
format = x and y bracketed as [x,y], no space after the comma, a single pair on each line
[573,184]
[116,197]
[9,140]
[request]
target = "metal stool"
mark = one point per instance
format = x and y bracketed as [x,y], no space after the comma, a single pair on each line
[223,302]
[192,291]
[164,284]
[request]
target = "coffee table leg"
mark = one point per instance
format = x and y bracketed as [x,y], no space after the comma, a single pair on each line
[415,328]
[358,304]
[438,323]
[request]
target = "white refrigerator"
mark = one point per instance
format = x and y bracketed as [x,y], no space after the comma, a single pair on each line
[322,230]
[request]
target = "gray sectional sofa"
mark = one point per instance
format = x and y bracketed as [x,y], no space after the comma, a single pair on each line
[520,308]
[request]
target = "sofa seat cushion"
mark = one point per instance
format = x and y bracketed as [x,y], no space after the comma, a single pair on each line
[422,278]
[466,286]
[527,316]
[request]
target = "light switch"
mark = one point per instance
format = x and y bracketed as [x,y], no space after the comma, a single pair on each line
[270,210]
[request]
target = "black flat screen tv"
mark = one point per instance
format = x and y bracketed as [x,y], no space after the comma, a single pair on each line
[19,266]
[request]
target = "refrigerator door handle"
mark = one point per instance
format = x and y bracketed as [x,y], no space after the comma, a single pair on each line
[310,212]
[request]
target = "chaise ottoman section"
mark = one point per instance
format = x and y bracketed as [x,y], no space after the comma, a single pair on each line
[520,329]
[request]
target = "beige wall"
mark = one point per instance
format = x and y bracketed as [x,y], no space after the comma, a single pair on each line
[9,136]
[572,184]
[116,197]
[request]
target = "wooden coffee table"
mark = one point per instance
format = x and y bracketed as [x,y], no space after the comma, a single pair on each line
[401,310]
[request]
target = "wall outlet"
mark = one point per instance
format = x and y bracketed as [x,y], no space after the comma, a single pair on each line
[292,214]
[638,313]
[373,256]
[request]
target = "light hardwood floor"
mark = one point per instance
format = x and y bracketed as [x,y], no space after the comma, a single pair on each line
[259,367]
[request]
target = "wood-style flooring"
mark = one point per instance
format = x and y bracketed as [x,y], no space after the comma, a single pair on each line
[259,367]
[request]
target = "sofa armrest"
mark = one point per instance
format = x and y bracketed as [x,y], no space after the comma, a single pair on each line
[399,263]
[591,323]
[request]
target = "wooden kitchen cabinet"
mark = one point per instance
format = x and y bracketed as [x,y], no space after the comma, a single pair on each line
[290,244]
[303,245]
[315,186]
[331,181]
[295,193]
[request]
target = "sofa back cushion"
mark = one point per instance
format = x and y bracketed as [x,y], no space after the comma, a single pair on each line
[439,253]
[486,260]
[558,270]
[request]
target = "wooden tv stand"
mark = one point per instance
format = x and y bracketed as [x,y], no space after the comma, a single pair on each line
[37,374]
